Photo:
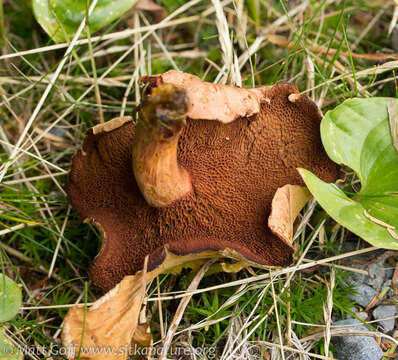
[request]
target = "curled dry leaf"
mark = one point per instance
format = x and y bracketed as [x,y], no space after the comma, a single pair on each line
[211,101]
[109,328]
[113,327]
[195,177]
[286,205]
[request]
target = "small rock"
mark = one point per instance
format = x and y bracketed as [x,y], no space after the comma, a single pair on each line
[363,294]
[389,272]
[387,284]
[351,347]
[363,315]
[352,309]
[385,311]
[349,246]
[377,274]
[60,130]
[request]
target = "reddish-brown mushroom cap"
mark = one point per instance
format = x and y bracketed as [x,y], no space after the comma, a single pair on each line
[235,164]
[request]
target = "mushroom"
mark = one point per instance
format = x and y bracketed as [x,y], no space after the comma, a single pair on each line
[196,176]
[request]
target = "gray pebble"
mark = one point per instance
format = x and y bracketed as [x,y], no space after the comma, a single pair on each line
[356,347]
[352,309]
[60,129]
[376,277]
[385,311]
[363,315]
[387,284]
[363,294]
[389,271]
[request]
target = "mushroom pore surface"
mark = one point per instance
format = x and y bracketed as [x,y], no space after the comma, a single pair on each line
[235,169]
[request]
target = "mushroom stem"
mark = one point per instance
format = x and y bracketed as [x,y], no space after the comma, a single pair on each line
[162,117]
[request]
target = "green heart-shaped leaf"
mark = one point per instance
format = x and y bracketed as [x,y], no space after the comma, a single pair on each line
[61,18]
[357,134]
[8,351]
[10,298]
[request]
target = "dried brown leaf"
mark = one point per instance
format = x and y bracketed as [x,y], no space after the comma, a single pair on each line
[110,325]
[212,101]
[286,205]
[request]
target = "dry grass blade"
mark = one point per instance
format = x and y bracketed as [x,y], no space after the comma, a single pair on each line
[327,311]
[255,46]
[39,105]
[277,319]
[293,350]
[393,20]
[17,227]
[95,77]
[235,336]
[49,98]
[252,279]
[50,271]
[14,157]
[181,309]
[372,71]
[112,36]
[319,49]
[346,331]
[232,74]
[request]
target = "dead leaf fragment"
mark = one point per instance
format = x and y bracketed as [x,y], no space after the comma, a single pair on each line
[111,125]
[212,101]
[286,205]
[113,327]
[110,324]
[142,339]
[393,119]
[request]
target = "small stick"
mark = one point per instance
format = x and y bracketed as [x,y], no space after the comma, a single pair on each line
[376,298]
[394,280]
